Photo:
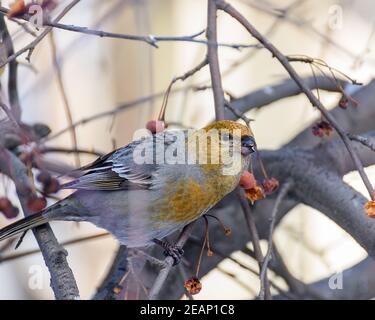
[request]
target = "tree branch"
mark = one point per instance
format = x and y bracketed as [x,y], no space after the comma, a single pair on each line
[285,89]
[62,279]
[213,60]
[263,271]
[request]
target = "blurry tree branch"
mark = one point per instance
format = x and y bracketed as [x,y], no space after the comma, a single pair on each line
[12,71]
[268,257]
[285,89]
[62,280]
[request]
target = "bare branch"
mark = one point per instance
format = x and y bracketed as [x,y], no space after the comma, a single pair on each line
[263,272]
[13,71]
[255,240]
[285,89]
[366,142]
[64,96]
[62,279]
[213,60]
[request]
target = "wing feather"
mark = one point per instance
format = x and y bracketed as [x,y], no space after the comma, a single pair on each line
[118,171]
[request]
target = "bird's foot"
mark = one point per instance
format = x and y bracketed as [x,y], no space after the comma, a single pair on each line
[171,250]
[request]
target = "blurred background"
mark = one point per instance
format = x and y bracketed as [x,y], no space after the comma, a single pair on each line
[99,74]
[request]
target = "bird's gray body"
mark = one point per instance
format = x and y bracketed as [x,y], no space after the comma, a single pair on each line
[139,202]
[125,211]
[124,214]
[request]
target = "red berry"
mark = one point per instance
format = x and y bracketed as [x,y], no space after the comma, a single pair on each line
[7,208]
[36,204]
[247,180]
[155,126]
[4,203]
[270,185]
[11,213]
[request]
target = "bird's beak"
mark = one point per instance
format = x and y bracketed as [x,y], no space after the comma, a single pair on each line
[248,145]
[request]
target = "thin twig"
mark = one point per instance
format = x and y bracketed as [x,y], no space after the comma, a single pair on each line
[263,271]
[183,77]
[366,142]
[251,270]
[69,150]
[213,60]
[12,72]
[254,237]
[61,86]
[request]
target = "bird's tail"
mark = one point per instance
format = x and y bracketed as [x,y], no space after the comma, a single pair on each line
[22,225]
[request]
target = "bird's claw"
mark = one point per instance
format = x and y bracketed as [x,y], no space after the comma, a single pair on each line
[175,252]
[171,250]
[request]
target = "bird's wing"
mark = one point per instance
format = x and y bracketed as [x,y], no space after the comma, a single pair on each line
[121,170]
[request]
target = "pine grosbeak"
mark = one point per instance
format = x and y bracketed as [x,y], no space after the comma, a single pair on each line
[141,203]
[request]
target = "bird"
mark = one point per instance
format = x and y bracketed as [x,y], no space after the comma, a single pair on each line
[154,186]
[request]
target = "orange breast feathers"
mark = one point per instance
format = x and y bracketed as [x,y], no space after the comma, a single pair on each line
[189,199]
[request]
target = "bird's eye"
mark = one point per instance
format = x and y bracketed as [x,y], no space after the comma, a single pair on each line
[247,145]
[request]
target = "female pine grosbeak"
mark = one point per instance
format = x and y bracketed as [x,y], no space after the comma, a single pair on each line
[141,203]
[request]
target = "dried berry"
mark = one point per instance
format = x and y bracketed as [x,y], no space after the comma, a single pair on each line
[52,187]
[247,180]
[50,184]
[117,289]
[36,204]
[7,208]
[370,208]
[19,7]
[343,103]
[193,285]
[254,194]
[270,185]
[4,203]
[322,128]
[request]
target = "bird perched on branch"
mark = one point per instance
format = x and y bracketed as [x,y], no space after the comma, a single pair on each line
[153,186]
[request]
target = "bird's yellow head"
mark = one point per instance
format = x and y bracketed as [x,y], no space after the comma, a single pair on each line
[238,130]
